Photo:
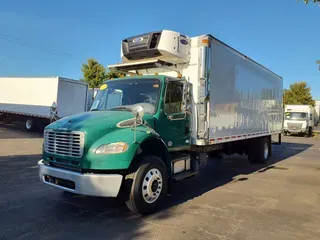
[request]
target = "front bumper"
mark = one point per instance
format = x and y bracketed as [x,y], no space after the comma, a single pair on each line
[296,131]
[99,185]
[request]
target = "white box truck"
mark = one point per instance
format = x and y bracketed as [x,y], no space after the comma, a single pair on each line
[182,99]
[299,119]
[40,100]
[317,112]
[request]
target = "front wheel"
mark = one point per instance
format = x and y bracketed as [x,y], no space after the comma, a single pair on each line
[309,134]
[149,186]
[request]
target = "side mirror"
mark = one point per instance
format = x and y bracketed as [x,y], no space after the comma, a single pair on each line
[54,106]
[138,112]
[53,112]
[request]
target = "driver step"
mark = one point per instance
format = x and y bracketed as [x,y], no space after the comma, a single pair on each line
[183,167]
[184,175]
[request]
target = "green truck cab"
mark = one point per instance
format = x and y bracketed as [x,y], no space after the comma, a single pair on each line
[123,143]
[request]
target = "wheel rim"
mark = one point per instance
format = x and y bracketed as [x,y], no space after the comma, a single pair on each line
[28,124]
[152,185]
[266,150]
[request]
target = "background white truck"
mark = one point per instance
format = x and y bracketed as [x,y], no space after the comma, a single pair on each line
[32,99]
[317,111]
[299,119]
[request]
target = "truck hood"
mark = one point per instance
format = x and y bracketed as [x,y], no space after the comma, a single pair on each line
[94,122]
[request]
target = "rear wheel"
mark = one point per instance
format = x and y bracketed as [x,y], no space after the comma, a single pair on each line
[149,186]
[260,151]
[309,134]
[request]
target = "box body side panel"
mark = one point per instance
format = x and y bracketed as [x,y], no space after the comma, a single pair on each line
[245,98]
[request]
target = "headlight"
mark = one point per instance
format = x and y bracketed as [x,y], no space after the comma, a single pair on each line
[112,148]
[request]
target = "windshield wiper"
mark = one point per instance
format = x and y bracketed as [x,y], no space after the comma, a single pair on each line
[121,108]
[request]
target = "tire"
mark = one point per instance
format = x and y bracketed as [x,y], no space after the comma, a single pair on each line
[259,151]
[307,134]
[149,186]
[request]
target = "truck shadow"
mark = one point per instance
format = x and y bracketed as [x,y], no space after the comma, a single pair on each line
[230,169]
[43,205]
[32,210]
[217,173]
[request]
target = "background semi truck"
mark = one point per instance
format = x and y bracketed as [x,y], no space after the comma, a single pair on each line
[31,99]
[299,119]
[182,99]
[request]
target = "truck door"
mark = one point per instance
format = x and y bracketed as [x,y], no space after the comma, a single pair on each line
[175,121]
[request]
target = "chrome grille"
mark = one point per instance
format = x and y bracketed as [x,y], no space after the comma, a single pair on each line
[64,143]
[294,126]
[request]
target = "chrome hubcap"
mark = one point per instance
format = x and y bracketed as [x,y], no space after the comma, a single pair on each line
[28,124]
[266,150]
[152,185]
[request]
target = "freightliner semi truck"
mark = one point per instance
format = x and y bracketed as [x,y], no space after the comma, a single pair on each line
[182,99]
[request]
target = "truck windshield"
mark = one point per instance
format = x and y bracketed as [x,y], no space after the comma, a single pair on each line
[296,116]
[125,94]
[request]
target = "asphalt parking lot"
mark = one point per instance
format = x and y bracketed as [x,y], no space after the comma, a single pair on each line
[229,200]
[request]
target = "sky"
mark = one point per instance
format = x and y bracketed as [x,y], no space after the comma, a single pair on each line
[54,38]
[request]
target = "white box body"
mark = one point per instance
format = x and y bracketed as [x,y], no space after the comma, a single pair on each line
[245,98]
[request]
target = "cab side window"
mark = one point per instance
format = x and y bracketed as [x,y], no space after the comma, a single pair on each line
[174,95]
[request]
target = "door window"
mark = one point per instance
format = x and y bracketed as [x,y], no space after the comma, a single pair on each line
[174,96]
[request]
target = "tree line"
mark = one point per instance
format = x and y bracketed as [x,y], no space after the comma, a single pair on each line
[95,73]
